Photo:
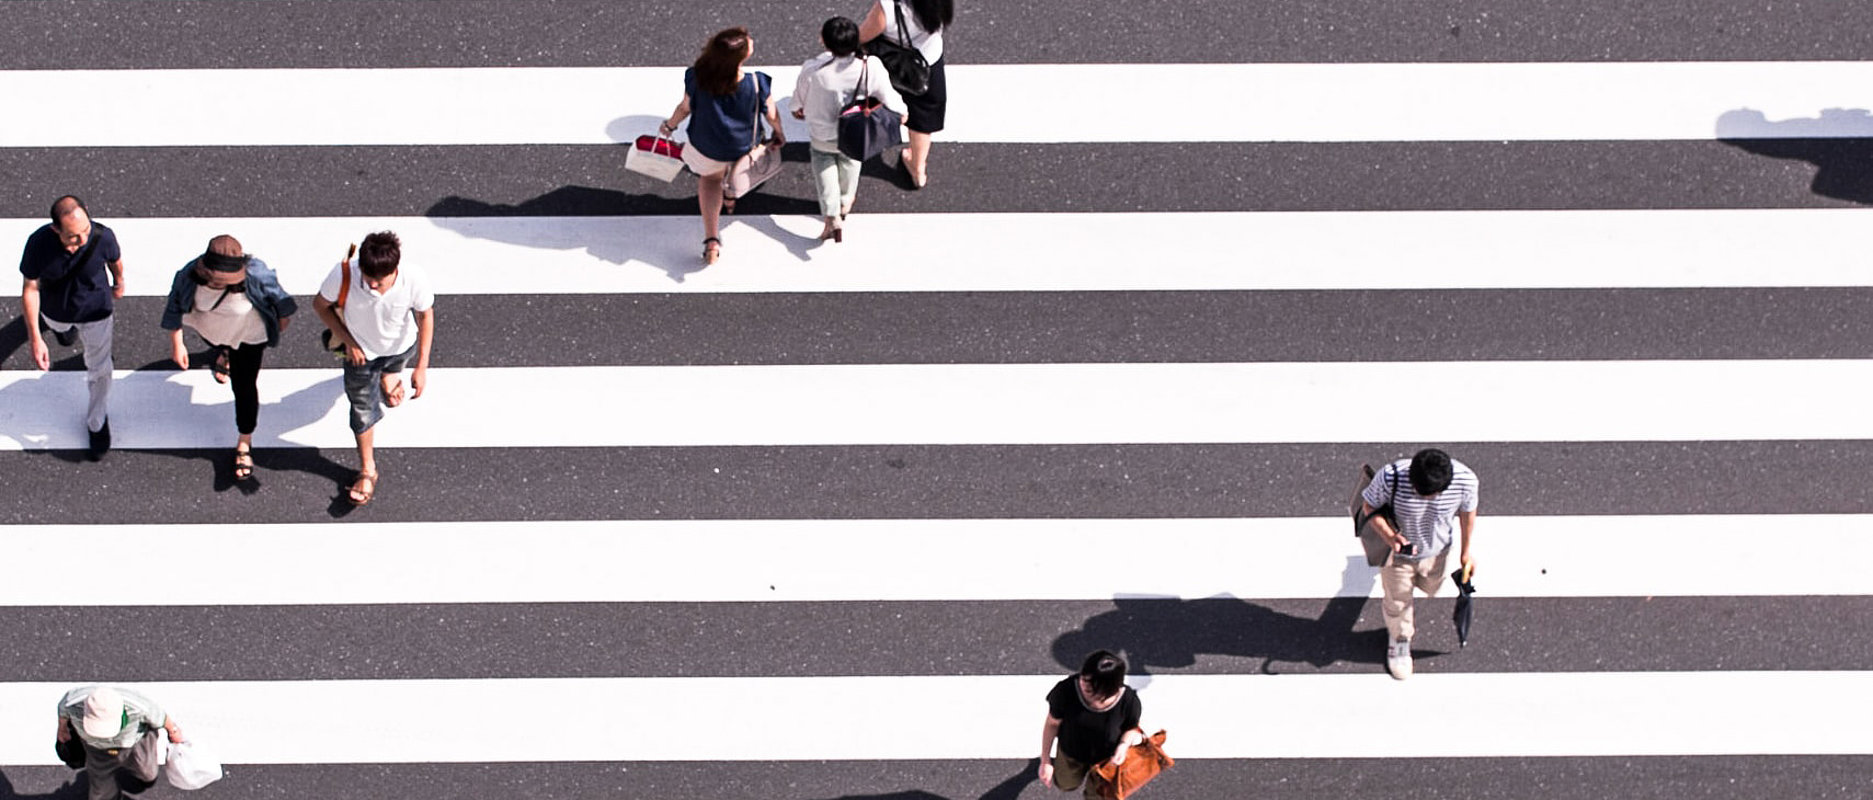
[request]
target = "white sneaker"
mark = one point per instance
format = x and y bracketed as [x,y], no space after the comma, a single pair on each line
[1398,659]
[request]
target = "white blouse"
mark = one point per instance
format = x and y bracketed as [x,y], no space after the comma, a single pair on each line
[927,43]
[827,85]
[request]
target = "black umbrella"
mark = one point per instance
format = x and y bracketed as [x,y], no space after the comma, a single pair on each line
[1465,612]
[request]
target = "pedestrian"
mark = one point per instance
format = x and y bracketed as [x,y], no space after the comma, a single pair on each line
[828,83]
[115,730]
[74,270]
[1094,717]
[922,22]
[1430,494]
[235,304]
[382,313]
[723,103]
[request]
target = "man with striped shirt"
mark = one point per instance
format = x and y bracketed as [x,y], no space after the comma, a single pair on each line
[1428,493]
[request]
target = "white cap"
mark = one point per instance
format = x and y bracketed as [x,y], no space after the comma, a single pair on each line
[104,713]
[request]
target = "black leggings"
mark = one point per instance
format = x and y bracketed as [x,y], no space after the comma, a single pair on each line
[244,376]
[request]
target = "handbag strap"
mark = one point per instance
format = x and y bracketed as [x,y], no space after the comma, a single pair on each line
[903,33]
[344,283]
[760,105]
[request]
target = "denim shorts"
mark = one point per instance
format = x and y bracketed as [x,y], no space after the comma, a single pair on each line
[364,387]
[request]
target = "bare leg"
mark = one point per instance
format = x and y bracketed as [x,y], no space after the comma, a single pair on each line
[366,485]
[709,196]
[917,158]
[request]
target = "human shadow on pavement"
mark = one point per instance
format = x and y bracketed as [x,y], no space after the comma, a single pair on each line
[73,788]
[1838,141]
[1009,789]
[301,408]
[675,247]
[1169,633]
[13,345]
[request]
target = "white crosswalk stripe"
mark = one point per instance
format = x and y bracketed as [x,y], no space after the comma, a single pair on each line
[1507,698]
[868,560]
[1270,102]
[1221,251]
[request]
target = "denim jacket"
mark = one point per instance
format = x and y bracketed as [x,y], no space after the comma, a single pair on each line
[263,290]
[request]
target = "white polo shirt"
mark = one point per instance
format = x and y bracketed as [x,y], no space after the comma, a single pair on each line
[383,324]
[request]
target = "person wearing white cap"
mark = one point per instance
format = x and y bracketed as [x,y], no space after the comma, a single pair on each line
[117,728]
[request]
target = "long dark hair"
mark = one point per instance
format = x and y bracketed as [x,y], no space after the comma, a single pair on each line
[933,15]
[720,59]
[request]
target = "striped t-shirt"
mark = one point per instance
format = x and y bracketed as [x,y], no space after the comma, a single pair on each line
[1428,522]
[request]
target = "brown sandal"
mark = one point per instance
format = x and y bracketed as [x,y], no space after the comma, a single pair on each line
[359,494]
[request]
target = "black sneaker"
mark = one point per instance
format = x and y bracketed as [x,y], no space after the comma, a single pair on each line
[101,441]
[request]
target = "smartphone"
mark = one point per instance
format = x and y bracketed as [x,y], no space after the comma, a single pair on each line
[1408,549]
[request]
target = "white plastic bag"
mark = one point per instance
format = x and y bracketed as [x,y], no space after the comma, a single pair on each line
[189,769]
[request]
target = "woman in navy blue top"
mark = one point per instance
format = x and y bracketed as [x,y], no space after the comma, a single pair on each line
[722,103]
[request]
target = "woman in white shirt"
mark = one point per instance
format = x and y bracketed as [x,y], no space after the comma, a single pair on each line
[828,83]
[924,22]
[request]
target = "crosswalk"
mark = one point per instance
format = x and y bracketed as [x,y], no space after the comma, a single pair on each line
[827,521]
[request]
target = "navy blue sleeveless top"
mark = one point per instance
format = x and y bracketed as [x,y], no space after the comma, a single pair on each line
[722,126]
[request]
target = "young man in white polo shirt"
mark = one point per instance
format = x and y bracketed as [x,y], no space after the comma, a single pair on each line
[383,313]
[1428,492]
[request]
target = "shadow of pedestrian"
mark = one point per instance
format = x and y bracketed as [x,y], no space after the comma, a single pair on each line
[1009,789]
[1838,141]
[1170,633]
[71,786]
[15,355]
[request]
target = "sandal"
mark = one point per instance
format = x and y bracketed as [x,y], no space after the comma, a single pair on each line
[243,463]
[362,489]
[711,250]
[219,365]
[728,204]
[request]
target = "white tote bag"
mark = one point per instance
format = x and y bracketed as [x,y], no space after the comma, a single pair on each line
[189,769]
[656,157]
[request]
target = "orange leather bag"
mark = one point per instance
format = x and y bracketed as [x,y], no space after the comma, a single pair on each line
[1144,762]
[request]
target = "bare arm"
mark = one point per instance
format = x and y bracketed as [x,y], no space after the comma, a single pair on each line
[677,116]
[873,24]
[1384,525]
[29,309]
[117,278]
[328,314]
[1126,742]
[1467,520]
[425,333]
[177,352]
[1049,731]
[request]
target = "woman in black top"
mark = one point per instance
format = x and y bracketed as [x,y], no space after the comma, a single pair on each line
[1094,717]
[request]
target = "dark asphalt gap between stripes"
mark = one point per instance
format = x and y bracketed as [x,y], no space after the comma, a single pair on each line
[1070,327]
[101,34]
[590,180]
[1212,635]
[1725,777]
[1138,481]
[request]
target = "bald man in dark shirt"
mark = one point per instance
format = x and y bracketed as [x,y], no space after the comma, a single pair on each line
[73,270]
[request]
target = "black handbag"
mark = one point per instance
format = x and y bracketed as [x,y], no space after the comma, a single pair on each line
[1377,547]
[910,74]
[866,127]
[71,752]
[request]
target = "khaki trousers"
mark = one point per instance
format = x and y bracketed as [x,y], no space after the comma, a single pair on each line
[1399,577]
[1070,774]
